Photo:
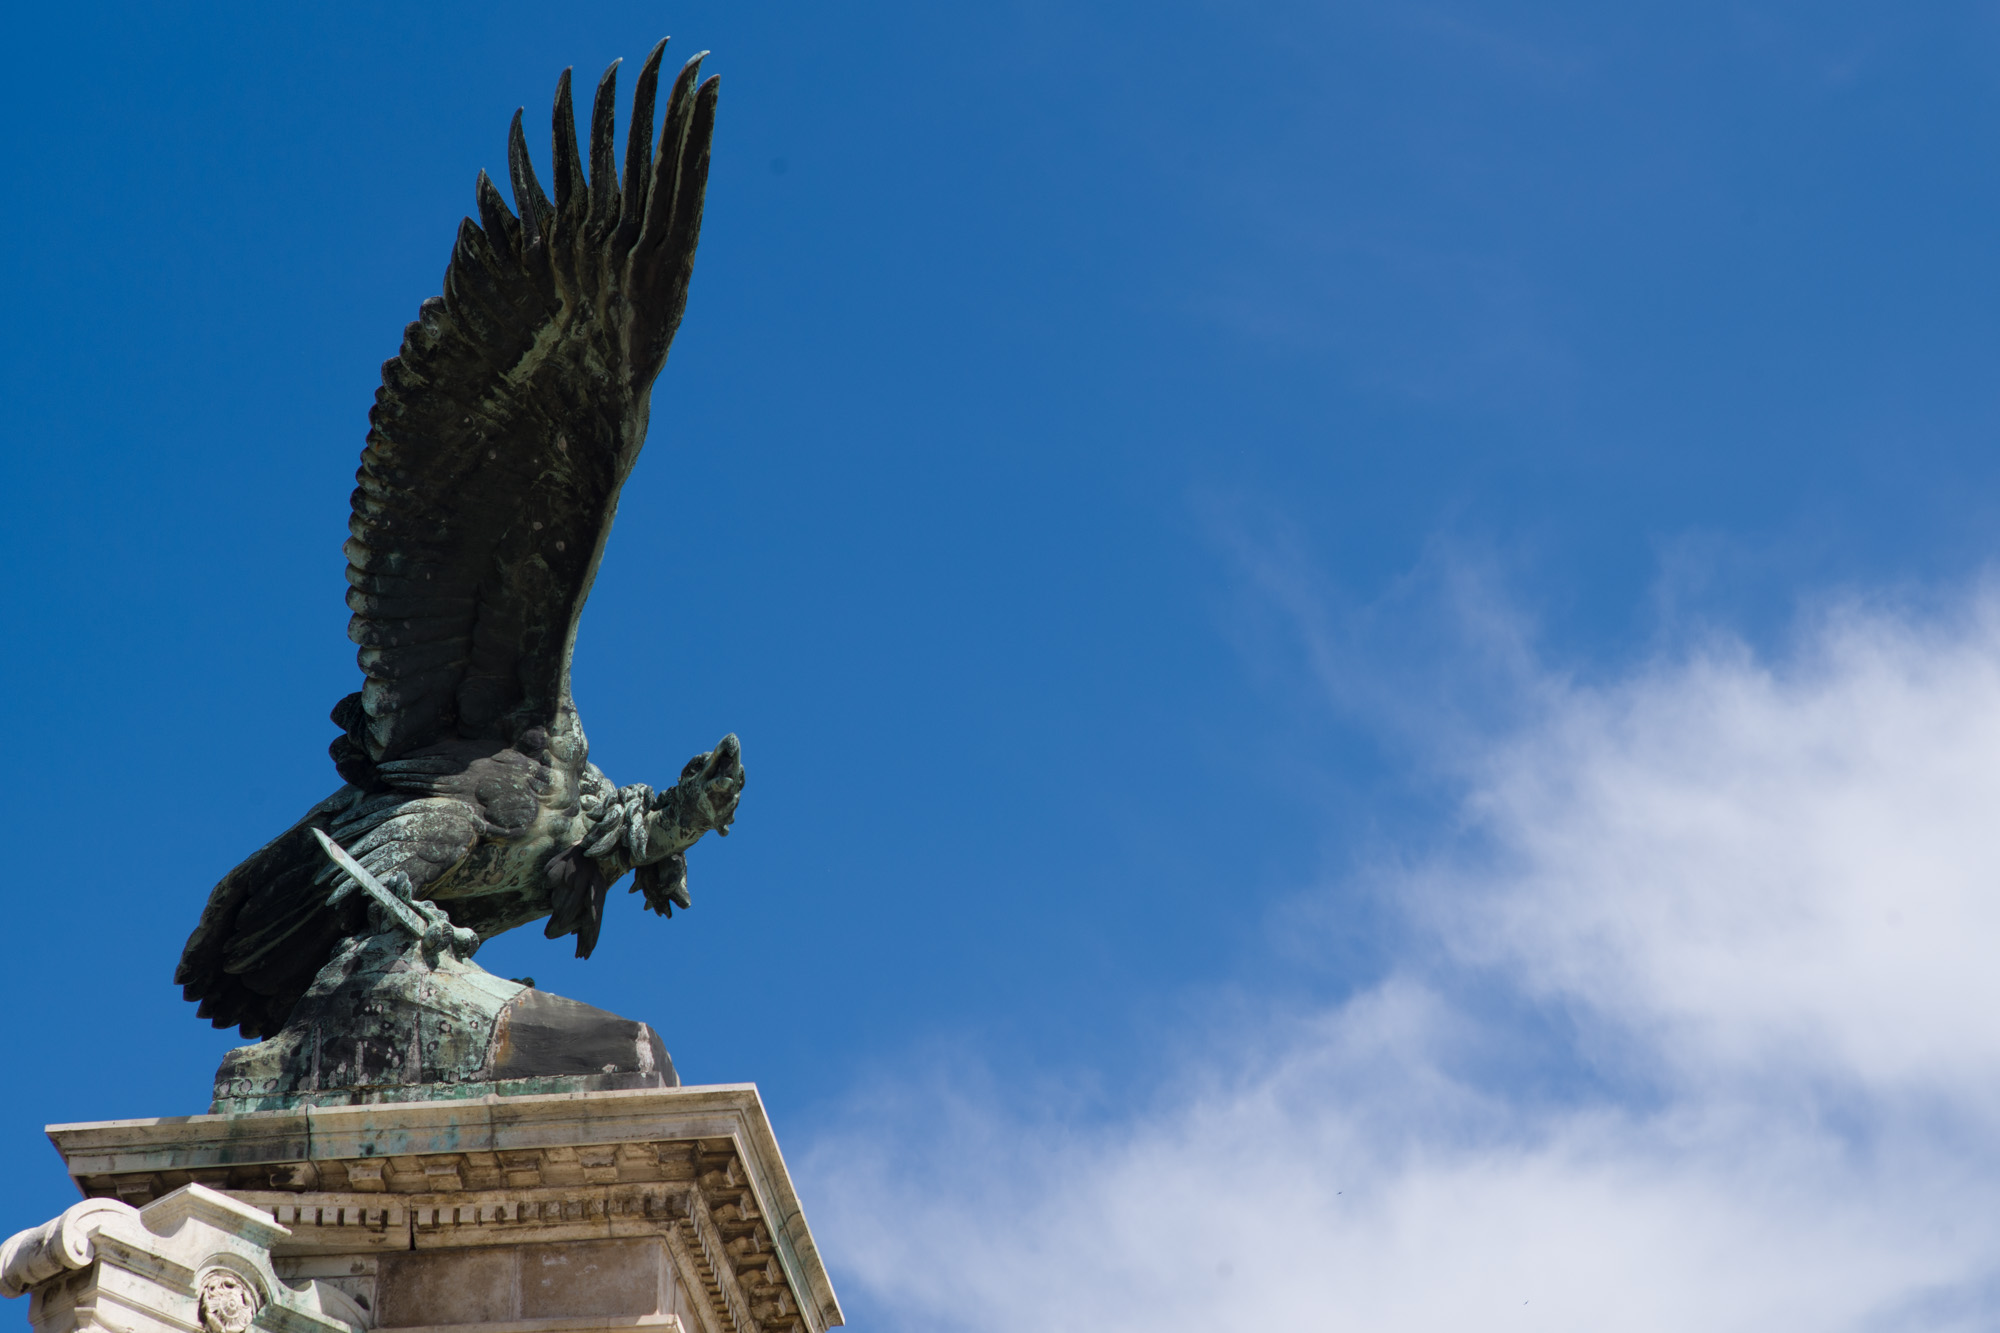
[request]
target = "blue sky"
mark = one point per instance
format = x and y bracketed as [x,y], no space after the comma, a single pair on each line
[1188,507]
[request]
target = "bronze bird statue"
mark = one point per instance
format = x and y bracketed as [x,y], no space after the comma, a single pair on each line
[502,433]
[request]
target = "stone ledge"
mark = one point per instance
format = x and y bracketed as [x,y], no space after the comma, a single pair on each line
[665,1323]
[698,1166]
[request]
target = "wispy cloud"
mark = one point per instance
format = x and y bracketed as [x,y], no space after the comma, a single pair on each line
[1757,899]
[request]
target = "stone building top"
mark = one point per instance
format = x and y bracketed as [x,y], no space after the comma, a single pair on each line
[696,1165]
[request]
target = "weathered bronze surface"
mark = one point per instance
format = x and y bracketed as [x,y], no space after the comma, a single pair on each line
[498,443]
[382,1022]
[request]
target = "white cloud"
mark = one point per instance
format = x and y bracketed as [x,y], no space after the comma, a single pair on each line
[1767,898]
[1752,869]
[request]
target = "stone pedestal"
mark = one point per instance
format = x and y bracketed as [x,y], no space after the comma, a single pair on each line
[641,1209]
[384,1022]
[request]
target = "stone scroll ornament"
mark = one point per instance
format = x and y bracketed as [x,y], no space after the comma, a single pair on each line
[499,440]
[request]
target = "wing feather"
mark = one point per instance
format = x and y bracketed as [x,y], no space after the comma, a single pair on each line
[603,147]
[529,201]
[570,187]
[499,227]
[639,139]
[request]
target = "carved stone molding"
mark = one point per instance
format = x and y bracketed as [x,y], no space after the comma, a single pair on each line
[195,1259]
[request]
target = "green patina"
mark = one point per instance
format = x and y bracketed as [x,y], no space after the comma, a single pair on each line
[389,1019]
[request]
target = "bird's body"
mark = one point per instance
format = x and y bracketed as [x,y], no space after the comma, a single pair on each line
[499,441]
[488,820]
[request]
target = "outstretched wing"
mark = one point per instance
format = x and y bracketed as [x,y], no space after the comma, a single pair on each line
[507,423]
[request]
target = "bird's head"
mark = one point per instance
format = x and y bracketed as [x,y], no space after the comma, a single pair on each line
[705,798]
[711,784]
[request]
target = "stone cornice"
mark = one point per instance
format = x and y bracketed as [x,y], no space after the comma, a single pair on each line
[385,1167]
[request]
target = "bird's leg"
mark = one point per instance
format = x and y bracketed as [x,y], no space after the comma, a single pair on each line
[439,935]
[664,884]
[442,936]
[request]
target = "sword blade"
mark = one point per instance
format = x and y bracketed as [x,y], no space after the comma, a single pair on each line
[405,915]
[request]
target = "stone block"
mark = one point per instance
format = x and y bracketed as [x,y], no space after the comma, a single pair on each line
[611,1277]
[414,1290]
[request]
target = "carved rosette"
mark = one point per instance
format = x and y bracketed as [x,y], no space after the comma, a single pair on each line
[228,1303]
